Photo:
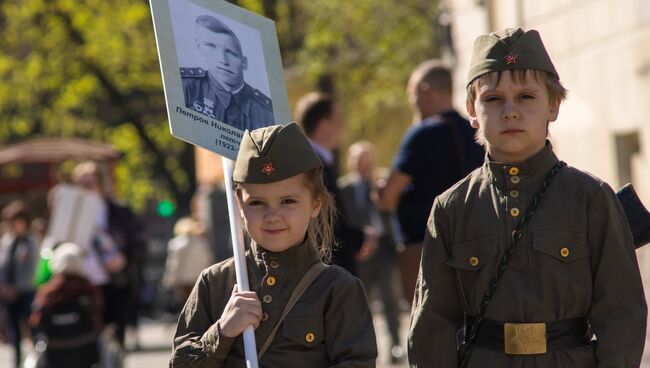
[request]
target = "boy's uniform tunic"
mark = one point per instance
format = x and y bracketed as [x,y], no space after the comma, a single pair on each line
[330,326]
[575,259]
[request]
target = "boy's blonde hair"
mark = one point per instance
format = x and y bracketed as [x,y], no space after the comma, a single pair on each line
[556,91]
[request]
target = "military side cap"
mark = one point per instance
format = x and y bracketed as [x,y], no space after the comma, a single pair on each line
[274,153]
[214,24]
[511,48]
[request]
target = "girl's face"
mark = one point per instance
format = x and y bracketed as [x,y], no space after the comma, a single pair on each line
[276,215]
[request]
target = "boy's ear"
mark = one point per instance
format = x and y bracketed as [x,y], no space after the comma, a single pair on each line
[554,109]
[473,121]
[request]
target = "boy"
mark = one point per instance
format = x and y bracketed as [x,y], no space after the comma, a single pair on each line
[572,274]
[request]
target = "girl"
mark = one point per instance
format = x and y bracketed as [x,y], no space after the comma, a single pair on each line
[287,213]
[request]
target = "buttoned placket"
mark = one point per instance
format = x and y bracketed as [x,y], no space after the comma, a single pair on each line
[269,292]
[515,201]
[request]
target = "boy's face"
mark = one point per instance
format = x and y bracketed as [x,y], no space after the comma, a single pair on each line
[512,116]
[277,215]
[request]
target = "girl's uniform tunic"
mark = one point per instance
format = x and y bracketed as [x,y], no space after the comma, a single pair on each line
[330,326]
[575,259]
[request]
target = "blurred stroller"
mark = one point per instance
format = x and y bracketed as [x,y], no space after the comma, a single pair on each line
[67,314]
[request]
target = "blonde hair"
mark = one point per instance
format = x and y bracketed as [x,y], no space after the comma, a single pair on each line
[320,231]
[90,168]
[355,151]
[187,226]
[556,90]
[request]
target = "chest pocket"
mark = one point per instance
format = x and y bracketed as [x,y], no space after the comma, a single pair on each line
[473,255]
[563,246]
[306,331]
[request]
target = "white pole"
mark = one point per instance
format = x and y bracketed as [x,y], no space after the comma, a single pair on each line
[237,237]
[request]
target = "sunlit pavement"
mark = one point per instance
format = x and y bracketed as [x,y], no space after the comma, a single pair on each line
[155,346]
[154,337]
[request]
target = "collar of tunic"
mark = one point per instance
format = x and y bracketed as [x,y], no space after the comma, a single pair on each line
[224,96]
[531,171]
[291,260]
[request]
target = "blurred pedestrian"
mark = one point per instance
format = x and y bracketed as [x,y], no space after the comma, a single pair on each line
[436,152]
[210,209]
[320,118]
[376,269]
[67,314]
[188,253]
[126,229]
[18,257]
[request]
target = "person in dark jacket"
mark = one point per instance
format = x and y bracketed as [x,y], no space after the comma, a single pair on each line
[319,116]
[437,151]
[67,312]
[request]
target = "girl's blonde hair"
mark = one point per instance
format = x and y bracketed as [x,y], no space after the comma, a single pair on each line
[321,228]
[320,231]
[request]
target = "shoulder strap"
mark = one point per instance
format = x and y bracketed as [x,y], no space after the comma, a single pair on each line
[300,289]
[262,99]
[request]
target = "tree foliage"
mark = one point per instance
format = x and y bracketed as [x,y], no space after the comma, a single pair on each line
[90,69]
[364,51]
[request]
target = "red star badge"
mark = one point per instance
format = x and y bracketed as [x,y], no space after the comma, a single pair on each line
[511,58]
[267,168]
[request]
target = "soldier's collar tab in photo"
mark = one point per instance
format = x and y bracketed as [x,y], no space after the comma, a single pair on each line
[274,153]
[512,48]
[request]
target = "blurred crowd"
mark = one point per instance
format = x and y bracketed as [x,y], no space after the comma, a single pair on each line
[67,293]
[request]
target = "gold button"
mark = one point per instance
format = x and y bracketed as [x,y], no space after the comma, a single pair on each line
[265,316]
[310,337]
[473,261]
[513,171]
[274,264]
[270,281]
[267,299]
[515,179]
[514,193]
[564,252]
[514,212]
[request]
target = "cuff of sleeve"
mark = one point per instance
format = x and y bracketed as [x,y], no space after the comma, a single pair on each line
[217,345]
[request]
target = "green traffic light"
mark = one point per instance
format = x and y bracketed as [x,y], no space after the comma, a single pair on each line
[166,208]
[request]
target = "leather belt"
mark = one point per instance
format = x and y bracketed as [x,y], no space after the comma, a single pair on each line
[531,338]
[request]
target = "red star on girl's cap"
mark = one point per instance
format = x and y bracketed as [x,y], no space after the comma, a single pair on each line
[267,168]
[511,58]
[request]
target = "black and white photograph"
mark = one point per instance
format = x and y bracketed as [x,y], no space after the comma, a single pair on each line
[222,68]
[222,72]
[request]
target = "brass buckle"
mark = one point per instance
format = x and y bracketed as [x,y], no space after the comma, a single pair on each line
[524,338]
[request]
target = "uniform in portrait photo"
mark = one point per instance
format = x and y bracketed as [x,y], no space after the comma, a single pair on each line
[222,70]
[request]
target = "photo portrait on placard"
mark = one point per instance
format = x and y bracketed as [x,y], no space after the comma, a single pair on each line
[222,67]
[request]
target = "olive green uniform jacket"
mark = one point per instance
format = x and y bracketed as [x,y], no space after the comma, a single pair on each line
[333,311]
[597,278]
